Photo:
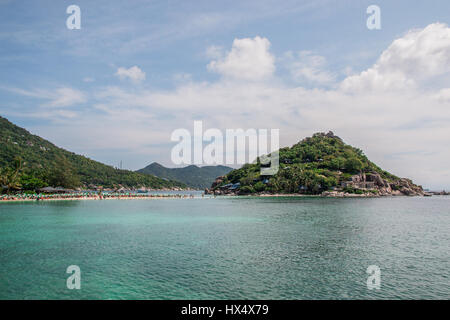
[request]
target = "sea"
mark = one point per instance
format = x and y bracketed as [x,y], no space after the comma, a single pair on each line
[283,248]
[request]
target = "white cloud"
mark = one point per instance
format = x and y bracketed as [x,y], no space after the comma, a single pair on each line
[134,73]
[443,95]
[306,67]
[214,52]
[59,97]
[249,59]
[416,57]
[65,97]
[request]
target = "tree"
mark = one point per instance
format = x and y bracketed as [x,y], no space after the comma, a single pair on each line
[30,182]
[3,178]
[246,190]
[308,180]
[62,175]
[10,177]
[353,164]
[259,186]
[337,163]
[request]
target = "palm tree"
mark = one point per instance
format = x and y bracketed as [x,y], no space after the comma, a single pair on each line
[11,177]
[308,180]
[3,178]
[13,182]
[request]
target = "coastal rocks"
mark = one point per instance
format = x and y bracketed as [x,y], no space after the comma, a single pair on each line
[374,181]
[217,182]
[214,185]
[218,189]
[221,192]
[406,187]
[439,193]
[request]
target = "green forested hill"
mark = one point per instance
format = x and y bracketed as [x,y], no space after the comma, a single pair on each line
[316,164]
[46,164]
[193,176]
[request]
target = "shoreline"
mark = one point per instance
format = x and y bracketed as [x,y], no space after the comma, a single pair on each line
[292,195]
[99,198]
[328,195]
[56,197]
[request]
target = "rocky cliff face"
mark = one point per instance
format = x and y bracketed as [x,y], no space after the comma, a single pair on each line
[374,184]
[405,187]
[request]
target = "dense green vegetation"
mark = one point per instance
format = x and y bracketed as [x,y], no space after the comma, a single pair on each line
[44,164]
[192,176]
[10,178]
[313,165]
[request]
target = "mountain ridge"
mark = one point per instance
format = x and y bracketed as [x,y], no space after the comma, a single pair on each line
[46,164]
[191,175]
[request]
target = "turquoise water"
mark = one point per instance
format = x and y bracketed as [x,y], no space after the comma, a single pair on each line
[226,248]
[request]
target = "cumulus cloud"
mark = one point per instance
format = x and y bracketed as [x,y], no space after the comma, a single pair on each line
[249,59]
[134,73]
[416,57]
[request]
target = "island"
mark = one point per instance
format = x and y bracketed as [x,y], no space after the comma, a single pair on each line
[319,165]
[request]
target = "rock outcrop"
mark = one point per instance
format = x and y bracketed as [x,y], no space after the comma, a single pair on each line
[383,187]
[217,188]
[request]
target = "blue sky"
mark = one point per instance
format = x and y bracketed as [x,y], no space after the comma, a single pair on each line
[169,37]
[65,85]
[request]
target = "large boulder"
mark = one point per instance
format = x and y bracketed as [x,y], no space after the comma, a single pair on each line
[217,182]
[407,187]
[377,179]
